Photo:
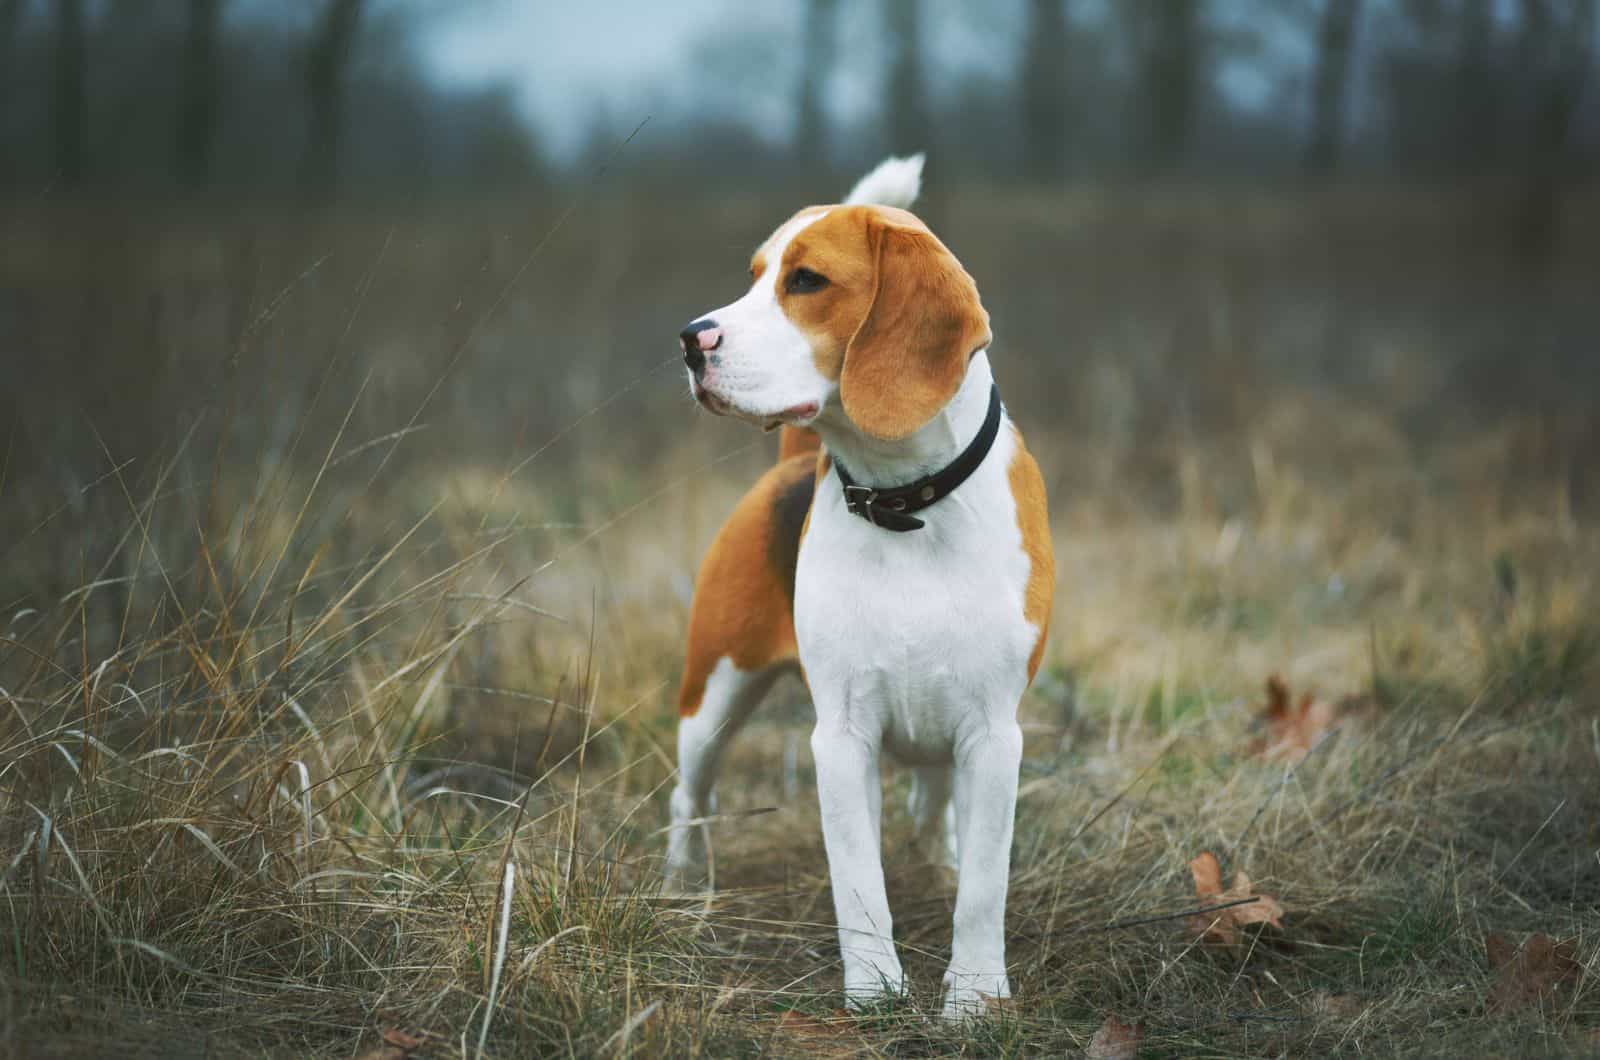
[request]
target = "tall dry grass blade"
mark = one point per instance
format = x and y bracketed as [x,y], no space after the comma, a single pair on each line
[1119,796]
[27,727]
[504,601]
[294,526]
[22,852]
[116,469]
[71,762]
[1324,740]
[373,443]
[1537,832]
[360,583]
[316,735]
[644,502]
[210,844]
[83,879]
[133,695]
[141,523]
[625,1032]
[499,952]
[305,798]
[533,958]
[590,689]
[294,597]
[158,954]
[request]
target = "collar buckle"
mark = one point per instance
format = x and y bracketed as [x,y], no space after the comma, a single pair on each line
[890,507]
[859,501]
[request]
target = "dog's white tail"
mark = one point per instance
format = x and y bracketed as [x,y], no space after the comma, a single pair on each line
[895,182]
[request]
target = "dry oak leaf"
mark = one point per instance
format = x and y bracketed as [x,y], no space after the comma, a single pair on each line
[1222,925]
[1533,974]
[1329,1005]
[397,1045]
[1294,729]
[836,1036]
[1115,1040]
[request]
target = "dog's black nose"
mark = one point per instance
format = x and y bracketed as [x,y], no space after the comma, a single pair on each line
[696,340]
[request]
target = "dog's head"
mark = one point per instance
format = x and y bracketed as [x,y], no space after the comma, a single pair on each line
[854,307]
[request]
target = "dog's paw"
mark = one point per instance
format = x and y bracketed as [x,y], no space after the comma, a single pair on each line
[969,995]
[872,978]
[682,885]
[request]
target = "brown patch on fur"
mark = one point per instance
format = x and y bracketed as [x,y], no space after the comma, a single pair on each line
[792,441]
[743,605]
[759,260]
[836,247]
[896,323]
[1033,519]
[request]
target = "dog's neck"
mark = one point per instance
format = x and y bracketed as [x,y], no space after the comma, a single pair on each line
[930,448]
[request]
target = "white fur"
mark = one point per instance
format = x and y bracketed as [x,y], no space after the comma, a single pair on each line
[917,644]
[895,182]
[914,643]
[730,697]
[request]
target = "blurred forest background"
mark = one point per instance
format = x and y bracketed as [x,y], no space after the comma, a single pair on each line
[1172,209]
[228,218]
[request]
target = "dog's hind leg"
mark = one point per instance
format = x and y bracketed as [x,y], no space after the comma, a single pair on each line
[731,695]
[933,814]
[741,637]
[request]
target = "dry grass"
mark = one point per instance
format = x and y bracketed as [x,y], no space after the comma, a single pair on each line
[296,749]
[235,830]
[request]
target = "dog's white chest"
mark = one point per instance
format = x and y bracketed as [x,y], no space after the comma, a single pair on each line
[920,636]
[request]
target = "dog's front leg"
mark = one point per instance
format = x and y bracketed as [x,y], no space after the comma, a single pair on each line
[986,803]
[852,801]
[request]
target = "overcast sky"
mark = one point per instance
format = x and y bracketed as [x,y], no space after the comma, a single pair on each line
[567,60]
[630,59]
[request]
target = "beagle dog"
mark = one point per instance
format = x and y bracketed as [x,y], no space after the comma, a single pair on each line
[898,556]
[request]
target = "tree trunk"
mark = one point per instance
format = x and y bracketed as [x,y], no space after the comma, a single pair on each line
[1167,42]
[10,16]
[197,101]
[1557,54]
[1044,92]
[1335,37]
[908,115]
[1476,125]
[326,66]
[811,135]
[68,100]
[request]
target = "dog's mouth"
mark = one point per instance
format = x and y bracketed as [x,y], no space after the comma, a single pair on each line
[711,403]
[795,415]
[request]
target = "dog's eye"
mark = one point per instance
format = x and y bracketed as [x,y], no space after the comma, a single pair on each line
[804,281]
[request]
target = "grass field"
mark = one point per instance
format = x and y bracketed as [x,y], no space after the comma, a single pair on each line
[325,733]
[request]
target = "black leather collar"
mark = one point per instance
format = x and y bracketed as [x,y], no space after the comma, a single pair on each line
[889,506]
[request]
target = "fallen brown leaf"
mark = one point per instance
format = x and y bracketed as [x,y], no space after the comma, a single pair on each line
[1115,1040]
[832,1037]
[1336,1006]
[1222,925]
[397,1045]
[1536,973]
[1293,730]
[1000,1006]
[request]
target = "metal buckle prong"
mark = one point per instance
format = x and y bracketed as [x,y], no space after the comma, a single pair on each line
[859,499]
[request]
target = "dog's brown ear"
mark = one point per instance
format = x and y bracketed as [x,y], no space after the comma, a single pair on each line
[910,353]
